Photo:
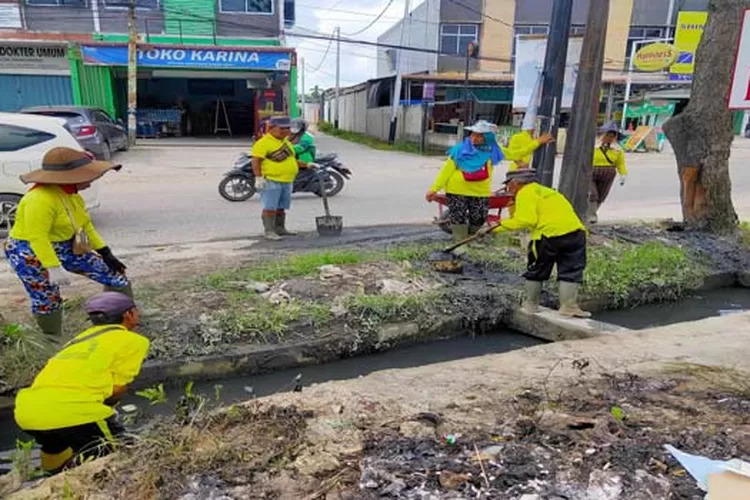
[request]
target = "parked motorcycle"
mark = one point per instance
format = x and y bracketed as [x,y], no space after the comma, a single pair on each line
[239,183]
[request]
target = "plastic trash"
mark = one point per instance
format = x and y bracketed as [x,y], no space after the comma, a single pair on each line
[698,467]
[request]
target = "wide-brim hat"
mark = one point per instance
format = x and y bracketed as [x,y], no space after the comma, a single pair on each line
[522,175]
[482,127]
[610,128]
[68,166]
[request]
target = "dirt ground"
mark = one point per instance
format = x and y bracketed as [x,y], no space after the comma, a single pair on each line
[585,420]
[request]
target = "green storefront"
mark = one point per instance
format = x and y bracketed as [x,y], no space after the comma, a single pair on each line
[189,85]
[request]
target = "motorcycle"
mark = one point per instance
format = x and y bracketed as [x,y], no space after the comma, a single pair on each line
[239,183]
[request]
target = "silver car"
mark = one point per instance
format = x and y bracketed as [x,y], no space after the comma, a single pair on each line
[93,128]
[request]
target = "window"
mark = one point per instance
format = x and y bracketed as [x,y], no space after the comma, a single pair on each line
[139,4]
[66,3]
[13,138]
[455,38]
[541,29]
[247,6]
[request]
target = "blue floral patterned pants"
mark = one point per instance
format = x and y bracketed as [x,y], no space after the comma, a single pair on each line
[45,297]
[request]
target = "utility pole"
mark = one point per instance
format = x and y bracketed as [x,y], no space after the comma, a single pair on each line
[397,87]
[552,85]
[467,112]
[338,78]
[302,84]
[575,180]
[132,73]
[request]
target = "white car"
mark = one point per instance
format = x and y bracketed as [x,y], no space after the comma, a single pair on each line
[24,140]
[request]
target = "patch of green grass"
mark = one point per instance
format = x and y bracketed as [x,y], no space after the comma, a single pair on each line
[620,269]
[378,309]
[366,140]
[289,267]
[260,321]
[23,352]
[411,252]
[744,231]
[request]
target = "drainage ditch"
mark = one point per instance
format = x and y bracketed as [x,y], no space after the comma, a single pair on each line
[694,307]
[241,388]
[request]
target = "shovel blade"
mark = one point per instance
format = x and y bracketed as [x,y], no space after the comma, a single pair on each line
[329,225]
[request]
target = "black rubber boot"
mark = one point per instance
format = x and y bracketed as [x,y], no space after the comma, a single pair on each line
[281,229]
[51,324]
[269,227]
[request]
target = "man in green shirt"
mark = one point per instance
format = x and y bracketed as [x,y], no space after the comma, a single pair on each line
[304,141]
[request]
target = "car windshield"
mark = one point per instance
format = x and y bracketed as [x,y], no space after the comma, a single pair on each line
[73,119]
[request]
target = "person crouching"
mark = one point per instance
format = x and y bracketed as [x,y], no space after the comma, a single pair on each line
[558,237]
[68,408]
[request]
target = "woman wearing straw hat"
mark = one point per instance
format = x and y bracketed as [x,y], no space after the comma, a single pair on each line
[466,178]
[609,161]
[53,233]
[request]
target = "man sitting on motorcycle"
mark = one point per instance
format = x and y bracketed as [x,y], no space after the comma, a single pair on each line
[275,166]
[304,141]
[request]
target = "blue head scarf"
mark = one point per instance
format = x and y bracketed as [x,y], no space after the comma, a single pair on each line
[470,158]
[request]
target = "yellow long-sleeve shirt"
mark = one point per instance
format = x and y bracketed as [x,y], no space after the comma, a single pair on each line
[521,147]
[41,219]
[616,154]
[451,180]
[543,211]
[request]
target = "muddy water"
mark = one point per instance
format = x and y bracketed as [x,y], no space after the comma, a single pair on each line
[242,388]
[698,306]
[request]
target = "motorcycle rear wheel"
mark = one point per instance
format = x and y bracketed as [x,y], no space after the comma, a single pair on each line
[334,184]
[237,188]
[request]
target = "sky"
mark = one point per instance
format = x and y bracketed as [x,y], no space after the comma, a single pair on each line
[358,62]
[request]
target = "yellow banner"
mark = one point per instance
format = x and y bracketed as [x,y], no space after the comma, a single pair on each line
[687,37]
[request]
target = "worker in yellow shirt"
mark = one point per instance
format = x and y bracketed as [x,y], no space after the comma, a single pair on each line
[275,166]
[558,237]
[68,408]
[521,146]
[466,179]
[609,161]
[53,233]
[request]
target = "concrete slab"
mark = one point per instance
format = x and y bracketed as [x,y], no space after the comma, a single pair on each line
[549,325]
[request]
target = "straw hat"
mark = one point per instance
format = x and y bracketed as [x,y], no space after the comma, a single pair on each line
[68,166]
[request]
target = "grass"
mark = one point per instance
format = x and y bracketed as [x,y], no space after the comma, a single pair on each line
[284,268]
[744,231]
[621,269]
[373,310]
[366,140]
[254,318]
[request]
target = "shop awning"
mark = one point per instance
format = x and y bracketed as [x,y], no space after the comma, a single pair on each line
[189,57]
[650,108]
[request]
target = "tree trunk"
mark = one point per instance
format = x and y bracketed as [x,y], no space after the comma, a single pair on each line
[702,134]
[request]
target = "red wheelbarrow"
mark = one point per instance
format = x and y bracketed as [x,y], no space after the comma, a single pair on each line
[498,202]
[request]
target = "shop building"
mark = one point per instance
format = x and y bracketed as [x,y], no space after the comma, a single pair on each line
[205,67]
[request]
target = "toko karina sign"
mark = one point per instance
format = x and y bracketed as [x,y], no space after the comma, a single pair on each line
[215,58]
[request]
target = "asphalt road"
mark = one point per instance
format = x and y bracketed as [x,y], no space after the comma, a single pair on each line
[168,194]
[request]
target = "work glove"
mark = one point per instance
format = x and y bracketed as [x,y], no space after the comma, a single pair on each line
[58,276]
[260,183]
[112,262]
[430,196]
[622,180]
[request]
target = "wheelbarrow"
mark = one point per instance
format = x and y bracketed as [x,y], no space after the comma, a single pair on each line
[497,202]
[328,225]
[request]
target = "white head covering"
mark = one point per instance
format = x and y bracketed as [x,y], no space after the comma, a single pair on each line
[482,127]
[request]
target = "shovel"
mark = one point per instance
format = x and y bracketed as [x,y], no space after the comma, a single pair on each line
[445,261]
[328,225]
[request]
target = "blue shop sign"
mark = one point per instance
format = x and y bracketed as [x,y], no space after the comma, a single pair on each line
[162,57]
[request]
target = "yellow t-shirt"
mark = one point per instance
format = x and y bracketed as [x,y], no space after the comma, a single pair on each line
[277,171]
[520,148]
[615,154]
[72,387]
[543,211]
[41,219]
[451,180]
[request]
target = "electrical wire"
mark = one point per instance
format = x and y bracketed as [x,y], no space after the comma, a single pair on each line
[323,59]
[377,18]
[477,11]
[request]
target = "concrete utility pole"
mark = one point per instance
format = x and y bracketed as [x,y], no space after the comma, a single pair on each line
[302,84]
[397,87]
[338,77]
[552,85]
[575,180]
[132,73]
